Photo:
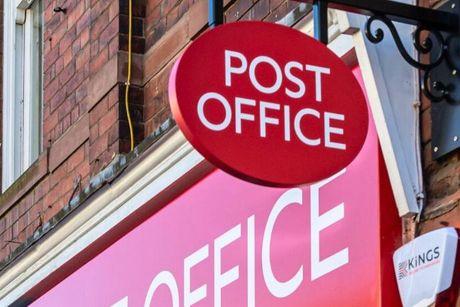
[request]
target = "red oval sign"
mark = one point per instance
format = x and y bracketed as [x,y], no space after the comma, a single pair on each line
[268,104]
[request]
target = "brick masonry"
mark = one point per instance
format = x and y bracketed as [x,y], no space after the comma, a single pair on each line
[1,83]
[442,177]
[442,183]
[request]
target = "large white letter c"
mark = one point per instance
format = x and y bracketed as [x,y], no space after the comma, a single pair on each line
[277,288]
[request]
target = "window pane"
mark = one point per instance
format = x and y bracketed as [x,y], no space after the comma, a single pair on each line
[32,84]
[22,116]
[36,93]
[18,106]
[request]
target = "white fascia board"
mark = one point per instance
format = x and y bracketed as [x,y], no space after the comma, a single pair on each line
[148,179]
[393,92]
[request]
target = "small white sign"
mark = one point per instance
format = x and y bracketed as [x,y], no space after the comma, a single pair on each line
[425,266]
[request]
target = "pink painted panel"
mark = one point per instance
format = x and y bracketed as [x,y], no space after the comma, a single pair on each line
[217,204]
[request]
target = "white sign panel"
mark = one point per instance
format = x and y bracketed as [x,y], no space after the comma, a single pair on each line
[425,266]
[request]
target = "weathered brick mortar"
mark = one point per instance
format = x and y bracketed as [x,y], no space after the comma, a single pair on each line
[82,193]
[441,178]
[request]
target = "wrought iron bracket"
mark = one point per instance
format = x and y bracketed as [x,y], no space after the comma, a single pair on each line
[215,12]
[437,40]
[437,47]
[440,46]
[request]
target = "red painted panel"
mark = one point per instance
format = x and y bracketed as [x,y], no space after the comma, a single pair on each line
[223,211]
[268,104]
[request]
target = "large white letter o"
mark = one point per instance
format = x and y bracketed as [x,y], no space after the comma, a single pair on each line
[228,111]
[252,74]
[163,278]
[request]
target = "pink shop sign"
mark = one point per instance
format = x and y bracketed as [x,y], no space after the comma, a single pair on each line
[226,242]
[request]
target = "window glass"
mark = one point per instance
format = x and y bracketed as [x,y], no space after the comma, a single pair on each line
[36,81]
[22,106]
[18,99]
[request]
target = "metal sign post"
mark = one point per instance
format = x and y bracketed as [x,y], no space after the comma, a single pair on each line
[320,26]
[215,13]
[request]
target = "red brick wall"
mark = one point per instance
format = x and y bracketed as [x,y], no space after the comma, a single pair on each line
[442,184]
[84,121]
[170,25]
[442,176]
[1,84]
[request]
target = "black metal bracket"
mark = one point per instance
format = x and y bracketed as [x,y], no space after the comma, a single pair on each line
[399,12]
[320,22]
[439,47]
[59,9]
[437,40]
[445,113]
[426,21]
[215,13]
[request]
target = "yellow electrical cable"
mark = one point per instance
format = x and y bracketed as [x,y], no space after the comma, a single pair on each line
[128,80]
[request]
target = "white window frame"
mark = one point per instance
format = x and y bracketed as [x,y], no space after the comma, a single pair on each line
[21,125]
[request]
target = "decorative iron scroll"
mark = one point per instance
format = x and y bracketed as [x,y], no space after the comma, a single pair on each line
[440,49]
